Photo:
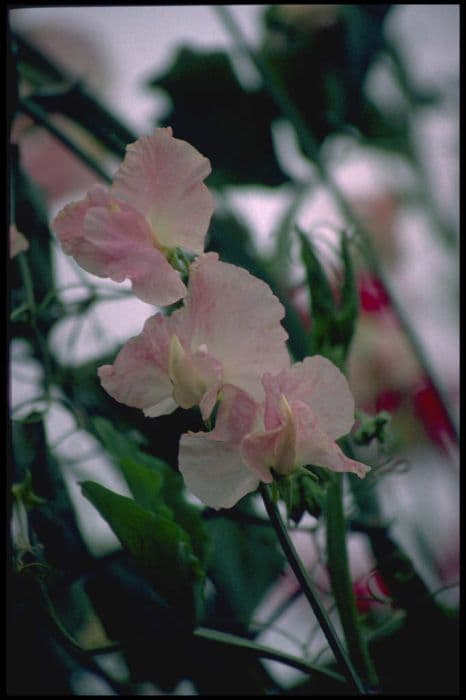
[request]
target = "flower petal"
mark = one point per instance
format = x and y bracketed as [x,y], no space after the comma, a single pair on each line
[193,375]
[258,452]
[238,318]
[110,239]
[318,383]
[237,415]
[314,446]
[139,375]
[162,177]
[214,470]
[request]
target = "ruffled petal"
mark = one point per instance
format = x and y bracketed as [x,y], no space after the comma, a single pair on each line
[139,375]
[318,383]
[111,239]
[314,446]
[214,470]
[238,318]
[238,414]
[258,452]
[68,223]
[162,177]
[275,448]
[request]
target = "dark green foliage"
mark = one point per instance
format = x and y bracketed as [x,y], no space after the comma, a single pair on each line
[160,547]
[222,119]
[321,72]
[58,92]
[244,561]
[154,485]
[53,522]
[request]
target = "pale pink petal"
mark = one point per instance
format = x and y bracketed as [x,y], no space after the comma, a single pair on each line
[318,383]
[116,247]
[139,375]
[258,452]
[237,317]
[110,239]
[237,415]
[314,446]
[214,470]
[69,221]
[275,448]
[208,401]
[192,375]
[18,243]
[162,177]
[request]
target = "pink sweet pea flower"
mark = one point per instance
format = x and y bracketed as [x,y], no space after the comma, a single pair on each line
[306,408]
[228,332]
[211,463]
[157,202]
[18,243]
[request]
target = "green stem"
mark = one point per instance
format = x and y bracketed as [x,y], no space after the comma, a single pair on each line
[308,590]
[62,87]
[265,652]
[83,655]
[338,566]
[36,113]
[311,150]
[210,635]
[32,307]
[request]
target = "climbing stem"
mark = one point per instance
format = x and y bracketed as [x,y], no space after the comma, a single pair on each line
[301,574]
[338,566]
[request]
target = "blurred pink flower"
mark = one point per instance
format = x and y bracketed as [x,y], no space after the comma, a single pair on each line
[18,242]
[306,408]
[228,332]
[49,163]
[157,202]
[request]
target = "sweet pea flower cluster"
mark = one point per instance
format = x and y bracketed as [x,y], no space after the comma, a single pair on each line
[225,346]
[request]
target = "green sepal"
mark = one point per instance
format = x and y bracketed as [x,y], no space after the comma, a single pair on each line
[303,491]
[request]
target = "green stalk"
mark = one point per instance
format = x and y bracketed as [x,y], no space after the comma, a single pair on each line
[338,566]
[204,633]
[308,590]
[265,652]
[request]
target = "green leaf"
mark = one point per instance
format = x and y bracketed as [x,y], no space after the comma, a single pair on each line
[155,486]
[160,547]
[245,561]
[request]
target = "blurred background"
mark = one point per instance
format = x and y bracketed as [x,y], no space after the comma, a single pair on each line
[378,88]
